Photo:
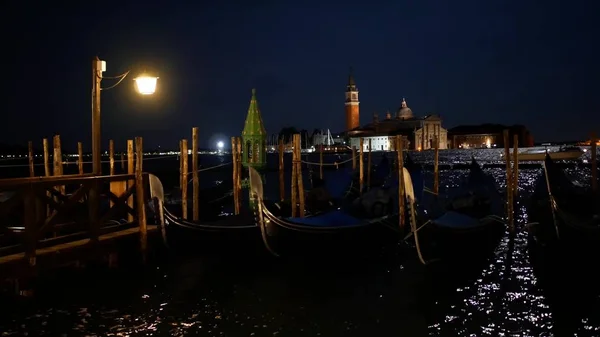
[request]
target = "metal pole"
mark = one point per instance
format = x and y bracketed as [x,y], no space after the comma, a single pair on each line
[96,139]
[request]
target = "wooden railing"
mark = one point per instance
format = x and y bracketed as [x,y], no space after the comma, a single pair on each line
[43,212]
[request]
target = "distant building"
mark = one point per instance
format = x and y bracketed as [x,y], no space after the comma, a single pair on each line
[487,136]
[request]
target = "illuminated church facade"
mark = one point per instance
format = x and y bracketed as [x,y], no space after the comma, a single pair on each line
[420,132]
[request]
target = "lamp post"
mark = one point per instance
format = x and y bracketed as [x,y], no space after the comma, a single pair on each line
[146,85]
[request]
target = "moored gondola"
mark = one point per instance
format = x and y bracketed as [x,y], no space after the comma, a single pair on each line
[361,223]
[463,228]
[566,214]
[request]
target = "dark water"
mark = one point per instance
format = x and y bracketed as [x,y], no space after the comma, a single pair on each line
[245,292]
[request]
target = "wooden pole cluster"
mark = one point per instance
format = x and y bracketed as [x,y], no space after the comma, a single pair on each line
[369,166]
[509,182]
[594,161]
[195,178]
[354,158]
[400,166]
[236,145]
[281,171]
[436,164]
[361,174]
[297,192]
[183,179]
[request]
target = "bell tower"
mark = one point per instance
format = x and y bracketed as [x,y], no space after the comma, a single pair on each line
[352,112]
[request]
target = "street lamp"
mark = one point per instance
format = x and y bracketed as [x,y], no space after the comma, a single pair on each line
[145,84]
[220,145]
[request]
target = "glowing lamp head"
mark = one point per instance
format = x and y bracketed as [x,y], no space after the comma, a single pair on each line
[146,85]
[220,145]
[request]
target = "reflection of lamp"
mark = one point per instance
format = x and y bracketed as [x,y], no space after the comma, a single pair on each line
[146,85]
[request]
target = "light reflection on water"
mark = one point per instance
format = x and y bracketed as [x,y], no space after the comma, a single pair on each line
[210,297]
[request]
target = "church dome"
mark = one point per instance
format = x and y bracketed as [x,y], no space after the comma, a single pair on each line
[405,112]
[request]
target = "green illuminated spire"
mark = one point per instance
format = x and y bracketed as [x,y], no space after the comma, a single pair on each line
[254,136]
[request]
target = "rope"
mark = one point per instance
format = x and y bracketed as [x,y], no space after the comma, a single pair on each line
[208,168]
[326,164]
[85,162]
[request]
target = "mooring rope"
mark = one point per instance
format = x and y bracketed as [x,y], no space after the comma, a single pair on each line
[327,164]
[85,162]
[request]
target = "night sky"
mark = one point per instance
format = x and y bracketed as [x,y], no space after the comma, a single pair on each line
[472,61]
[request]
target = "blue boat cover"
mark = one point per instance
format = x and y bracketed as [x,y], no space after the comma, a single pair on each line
[338,186]
[336,218]
[453,219]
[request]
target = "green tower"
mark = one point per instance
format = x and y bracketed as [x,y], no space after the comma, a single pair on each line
[254,137]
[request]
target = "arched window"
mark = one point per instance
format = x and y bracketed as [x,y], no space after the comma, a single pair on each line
[249,152]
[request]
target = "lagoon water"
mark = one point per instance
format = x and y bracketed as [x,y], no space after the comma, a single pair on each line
[249,293]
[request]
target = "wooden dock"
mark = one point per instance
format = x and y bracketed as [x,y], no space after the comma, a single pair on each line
[49,222]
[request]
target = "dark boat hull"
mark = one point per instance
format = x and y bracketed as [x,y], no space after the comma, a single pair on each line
[452,244]
[336,244]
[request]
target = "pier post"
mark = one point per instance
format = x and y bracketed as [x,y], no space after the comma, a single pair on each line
[31,155]
[80,157]
[46,147]
[139,196]
[369,165]
[130,169]
[240,168]
[321,161]
[515,178]
[58,162]
[111,157]
[509,184]
[353,158]
[300,184]
[184,178]
[281,171]
[361,173]
[236,205]
[436,164]
[400,166]
[195,181]
[594,160]
[294,188]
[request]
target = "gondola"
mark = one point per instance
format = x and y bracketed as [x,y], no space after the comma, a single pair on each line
[359,224]
[564,241]
[568,214]
[463,227]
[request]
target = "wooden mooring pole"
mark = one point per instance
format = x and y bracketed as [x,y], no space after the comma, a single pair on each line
[297,192]
[195,178]
[369,157]
[58,162]
[361,166]
[400,167]
[436,164]
[130,169]
[80,157]
[184,178]
[515,159]
[509,184]
[139,196]
[594,160]
[111,157]
[321,161]
[236,196]
[281,171]
[31,155]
